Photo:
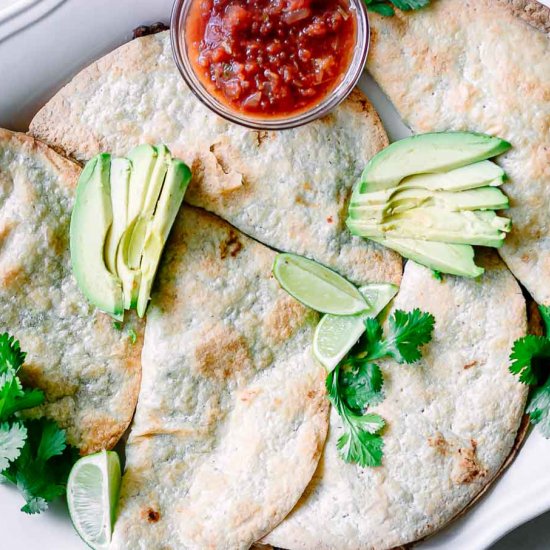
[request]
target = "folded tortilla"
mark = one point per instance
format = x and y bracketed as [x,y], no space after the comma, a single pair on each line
[232,414]
[89,370]
[452,421]
[287,189]
[478,65]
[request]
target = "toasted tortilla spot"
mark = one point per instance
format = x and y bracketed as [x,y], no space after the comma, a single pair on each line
[54,387]
[230,246]
[467,468]
[58,241]
[249,394]
[5,230]
[283,320]
[470,364]
[13,277]
[261,135]
[329,119]
[439,443]
[152,516]
[98,432]
[222,354]
[535,13]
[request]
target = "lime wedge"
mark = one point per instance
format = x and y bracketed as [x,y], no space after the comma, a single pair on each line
[336,335]
[92,495]
[316,286]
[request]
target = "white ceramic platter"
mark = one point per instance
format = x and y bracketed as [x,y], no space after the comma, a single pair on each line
[43,43]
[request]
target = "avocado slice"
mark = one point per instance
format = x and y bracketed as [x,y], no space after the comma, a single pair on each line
[428,153]
[143,159]
[120,178]
[482,198]
[152,191]
[435,224]
[480,174]
[455,259]
[129,277]
[169,202]
[91,219]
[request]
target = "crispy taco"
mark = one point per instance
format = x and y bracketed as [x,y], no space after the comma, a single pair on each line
[88,368]
[288,189]
[232,415]
[484,66]
[452,422]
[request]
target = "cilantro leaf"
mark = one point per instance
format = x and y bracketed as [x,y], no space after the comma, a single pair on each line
[408,332]
[41,470]
[12,439]
[407,5]
[545,314]
[371,422]
[372,342]
[361,384]
[34,505]
[361,443]
[381,8]
[11,356]
[384,8]
[33,454]
[361,447]
[539,408]
[13,397]
[52,442]
[527,355]
[357,382]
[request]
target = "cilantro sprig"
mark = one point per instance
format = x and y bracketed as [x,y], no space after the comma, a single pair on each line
[34,455]
[530,361]
[384,7]
[358,383]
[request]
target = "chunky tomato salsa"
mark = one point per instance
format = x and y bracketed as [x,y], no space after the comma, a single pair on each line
[270,57]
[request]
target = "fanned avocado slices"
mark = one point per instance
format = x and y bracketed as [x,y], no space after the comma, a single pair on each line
[123,214]
[431,197]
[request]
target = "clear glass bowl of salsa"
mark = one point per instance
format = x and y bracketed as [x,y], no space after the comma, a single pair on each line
[270,64]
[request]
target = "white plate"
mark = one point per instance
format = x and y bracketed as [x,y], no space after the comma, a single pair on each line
[42,44]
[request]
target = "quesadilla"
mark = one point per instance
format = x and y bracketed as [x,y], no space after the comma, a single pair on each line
[232,414]
[88,369]
[287,189]
[476,65]
[452,421]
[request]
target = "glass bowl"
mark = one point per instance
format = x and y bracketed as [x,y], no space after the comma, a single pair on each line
[180,12]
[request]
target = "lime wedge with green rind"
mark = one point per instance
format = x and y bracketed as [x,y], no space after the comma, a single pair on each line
[335,335]
[317,286]
[92,495]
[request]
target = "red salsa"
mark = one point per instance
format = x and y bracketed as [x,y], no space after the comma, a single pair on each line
[270,57]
